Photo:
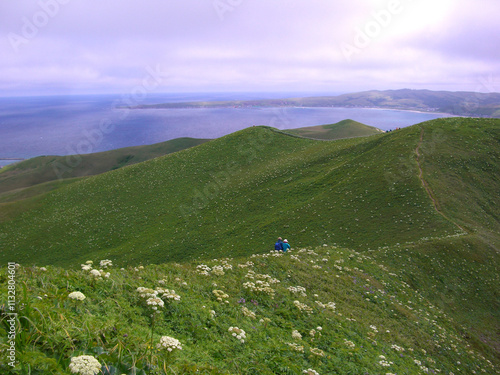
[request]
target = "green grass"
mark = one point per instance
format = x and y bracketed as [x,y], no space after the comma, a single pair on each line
[375,312]
[339,130]
[362,193]
[239,189]
[44,169]
[233,196]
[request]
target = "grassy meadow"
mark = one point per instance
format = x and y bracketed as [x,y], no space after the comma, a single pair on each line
[48,172]
[339,130]
[326,310]
[394,268]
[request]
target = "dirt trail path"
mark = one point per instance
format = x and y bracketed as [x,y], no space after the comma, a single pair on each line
[428,189]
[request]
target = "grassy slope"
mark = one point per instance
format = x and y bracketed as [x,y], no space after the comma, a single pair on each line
[375,313]
[361,192]
[230,196]
[460,160]
[49,168]
[339,130]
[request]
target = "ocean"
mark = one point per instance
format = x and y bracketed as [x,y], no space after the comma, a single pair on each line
[64,125]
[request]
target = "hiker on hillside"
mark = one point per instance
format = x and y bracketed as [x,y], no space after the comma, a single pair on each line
[279,244]
[285,245]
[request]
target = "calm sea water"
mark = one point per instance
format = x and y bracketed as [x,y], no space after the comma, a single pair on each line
[34,126]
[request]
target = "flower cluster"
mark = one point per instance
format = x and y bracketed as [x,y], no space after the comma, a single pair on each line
[247,264]
[248,313]
[350,344]
[169,294]
[87,266]
[169,343]
[302,307]
[259,286]
[225,263]
[99,274]
[84,365]
[203,269]
[147,292]
[318,352]
[329,305]
[77,295]
[296,335]
[397,348]
[296,347]
[383,361]
[298,290]
[105,263]
[220,295]
[155,302]
[238,333]
[310,371]
[218,270]
[165,293]
[269,279]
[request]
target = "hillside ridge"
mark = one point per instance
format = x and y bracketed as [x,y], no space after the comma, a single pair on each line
[427,188]
[231,197]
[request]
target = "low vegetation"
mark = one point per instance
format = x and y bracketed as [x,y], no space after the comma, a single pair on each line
[49,171]
[339,130]
[395,241]
[316,311]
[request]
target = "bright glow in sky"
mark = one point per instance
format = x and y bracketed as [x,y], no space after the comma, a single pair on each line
[114,46]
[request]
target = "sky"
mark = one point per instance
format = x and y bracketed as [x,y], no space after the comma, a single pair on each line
[65,47]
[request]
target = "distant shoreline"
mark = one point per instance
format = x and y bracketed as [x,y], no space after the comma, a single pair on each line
[464,104]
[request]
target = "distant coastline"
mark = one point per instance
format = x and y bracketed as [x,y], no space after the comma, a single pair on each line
[468,104]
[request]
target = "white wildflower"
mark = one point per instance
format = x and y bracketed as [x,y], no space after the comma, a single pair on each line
[155,303]
[106,263]
[238,333]
[77,295]
[169,343]
[296,335]
[85,365]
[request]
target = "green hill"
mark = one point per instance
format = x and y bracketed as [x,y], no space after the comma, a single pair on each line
[43,169]
[339,130]
[238,192]
[409,219]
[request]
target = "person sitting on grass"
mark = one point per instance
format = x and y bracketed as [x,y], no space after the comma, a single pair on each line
[279,244]
[285,246]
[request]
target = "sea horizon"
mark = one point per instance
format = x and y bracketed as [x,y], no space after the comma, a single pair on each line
[32,126]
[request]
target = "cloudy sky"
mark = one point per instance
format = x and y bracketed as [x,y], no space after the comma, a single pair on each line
[117,46]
